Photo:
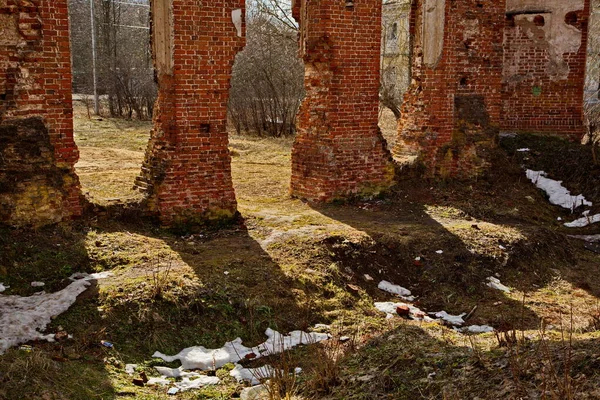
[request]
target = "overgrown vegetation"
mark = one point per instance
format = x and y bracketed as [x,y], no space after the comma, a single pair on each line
[290,266]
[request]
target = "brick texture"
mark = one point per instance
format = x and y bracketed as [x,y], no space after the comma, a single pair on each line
[452,110]
[35,96]
[339,150]
[543,89]
[187,171]
[501,68]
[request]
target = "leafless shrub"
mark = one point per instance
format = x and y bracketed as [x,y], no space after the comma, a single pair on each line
[160,278]
[268,77]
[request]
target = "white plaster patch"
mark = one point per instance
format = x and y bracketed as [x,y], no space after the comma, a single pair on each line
[434,21]
[559,37]
[236,18]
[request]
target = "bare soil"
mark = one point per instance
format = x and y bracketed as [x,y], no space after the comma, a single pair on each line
[290,265]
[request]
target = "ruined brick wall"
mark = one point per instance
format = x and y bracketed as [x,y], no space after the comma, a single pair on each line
[38,184]
[339,150]
[187,171]
[544,68]
[452,110]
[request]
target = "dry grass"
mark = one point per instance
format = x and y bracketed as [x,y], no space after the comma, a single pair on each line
[292,265]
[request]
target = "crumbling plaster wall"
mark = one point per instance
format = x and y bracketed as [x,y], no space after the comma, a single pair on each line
[544,66]
[38,184]
[186,174]
[339,150]
[481,66]
[451,112]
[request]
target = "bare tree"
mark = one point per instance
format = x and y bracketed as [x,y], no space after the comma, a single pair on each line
[268,77]
[125,71]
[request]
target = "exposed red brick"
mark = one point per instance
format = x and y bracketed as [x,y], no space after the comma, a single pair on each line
[339,150]
[494,73]
[537,96]
[452,109]
[187,170]
[35,82]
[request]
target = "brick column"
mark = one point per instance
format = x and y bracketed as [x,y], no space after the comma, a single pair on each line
[339,150]
[545,47]
[38,184]
[451,112]
[187,171]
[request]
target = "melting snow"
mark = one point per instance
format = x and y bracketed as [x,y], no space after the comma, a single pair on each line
[252,375]
[396,289]
[587,238]
[495,283]
[200,357]
[23,318]
[390,309]
[451,319]
[523,150]
[197,383]
[37,284]
[3,288]
[558,194]
[478,329]
[130,368]
[583,221]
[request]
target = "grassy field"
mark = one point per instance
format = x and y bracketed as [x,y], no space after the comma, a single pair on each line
[291,265]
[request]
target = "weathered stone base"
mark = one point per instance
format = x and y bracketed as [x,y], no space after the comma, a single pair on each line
[35,190]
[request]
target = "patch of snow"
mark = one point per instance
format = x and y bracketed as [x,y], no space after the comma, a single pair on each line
[368,277]
[557,193]
[390,309]
[37,284]
[200,357]
[501,247]
[478,329]
[158,381]
[523,150]
[130,368]
[252,375]
[3,287]
[23,318]
[587,238]
[394,289]
[254,393]
[495,283]
[451,319]
[197,383]
[175,372]
[583,221]
[88,277]
[440,251]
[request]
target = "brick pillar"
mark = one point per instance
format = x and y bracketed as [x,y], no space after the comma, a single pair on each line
[187,171]
[451,112]
[339,150]
[545,45]
[38,184]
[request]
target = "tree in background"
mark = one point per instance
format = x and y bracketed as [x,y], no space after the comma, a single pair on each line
[124,61]
[268,77]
